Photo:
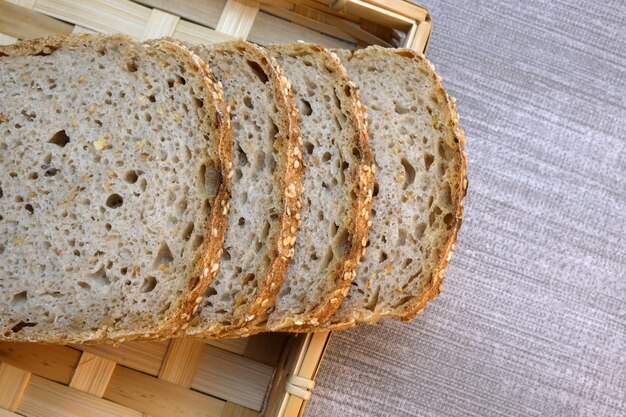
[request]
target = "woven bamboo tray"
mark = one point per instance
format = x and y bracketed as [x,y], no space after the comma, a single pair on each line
[265,375]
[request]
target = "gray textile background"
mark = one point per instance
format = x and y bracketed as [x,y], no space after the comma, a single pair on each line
[532,320]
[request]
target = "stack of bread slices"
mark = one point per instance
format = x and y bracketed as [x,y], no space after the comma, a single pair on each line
[159,189]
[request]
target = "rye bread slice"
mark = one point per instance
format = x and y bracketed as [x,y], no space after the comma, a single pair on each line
[420,184]
[338,185]
[267,186]
[113,187]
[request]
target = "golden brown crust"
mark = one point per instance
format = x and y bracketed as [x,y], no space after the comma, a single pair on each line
[288,179]
[459,190]
[216,224]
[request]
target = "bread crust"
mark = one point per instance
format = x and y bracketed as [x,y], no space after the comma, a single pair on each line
[215,224]
[458,184]
[288,180]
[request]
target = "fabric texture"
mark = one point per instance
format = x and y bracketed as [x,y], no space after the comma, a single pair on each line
[532,319]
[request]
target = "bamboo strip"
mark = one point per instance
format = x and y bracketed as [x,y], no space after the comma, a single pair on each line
[29,4]
[237,346]
[49,361]
[234,410]
[81,29]
[13,382]
[269,29]
[308,22]
[92,374]
[266,347]
[7,413]
[206,13]
[142,356]
[237,17]
[158,398]
[375,13]
[23,23]
[404,8]
[160,24]
[44,398]
[232,377]
[410,36]
[422,36]
[6,39]
[181,361]
[110,16]
[190,32]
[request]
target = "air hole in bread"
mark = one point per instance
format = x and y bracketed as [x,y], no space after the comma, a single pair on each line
[132,176]
[143,184]
[400,108]
[60,139]
[181,80]
[114,201]
[147,117]
[188,231]
[21,325]
[197,241]
[248,278]
[431,218]
[356,152]
[19,299]
[448,220]
[131,65]
[247,101]
[326,157]
[51,172]
[441,169]
[308,147]
[163,255]
[148,284]
[409,173]
[383,256]
[327,259]
[402,233]
[266,230]
[99,277]
[29,208]
[309,83]
[32,176]
[428,160]
[241,221]
[199,103]
[258,71]
[334,227]
[226,255]
[306,107]
[1,246]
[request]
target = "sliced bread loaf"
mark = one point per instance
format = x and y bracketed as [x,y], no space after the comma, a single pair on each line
[338,184]
[113,187]
[267,168]
[420,185]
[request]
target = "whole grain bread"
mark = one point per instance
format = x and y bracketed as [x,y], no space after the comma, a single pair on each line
[420,184]
[267,185]
[338,186]
[113,187]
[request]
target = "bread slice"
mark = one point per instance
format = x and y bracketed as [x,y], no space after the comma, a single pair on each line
[113,188]
[420,185]
[267,185]
[338,185]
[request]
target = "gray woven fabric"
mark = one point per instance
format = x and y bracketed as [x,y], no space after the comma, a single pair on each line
[532,320]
